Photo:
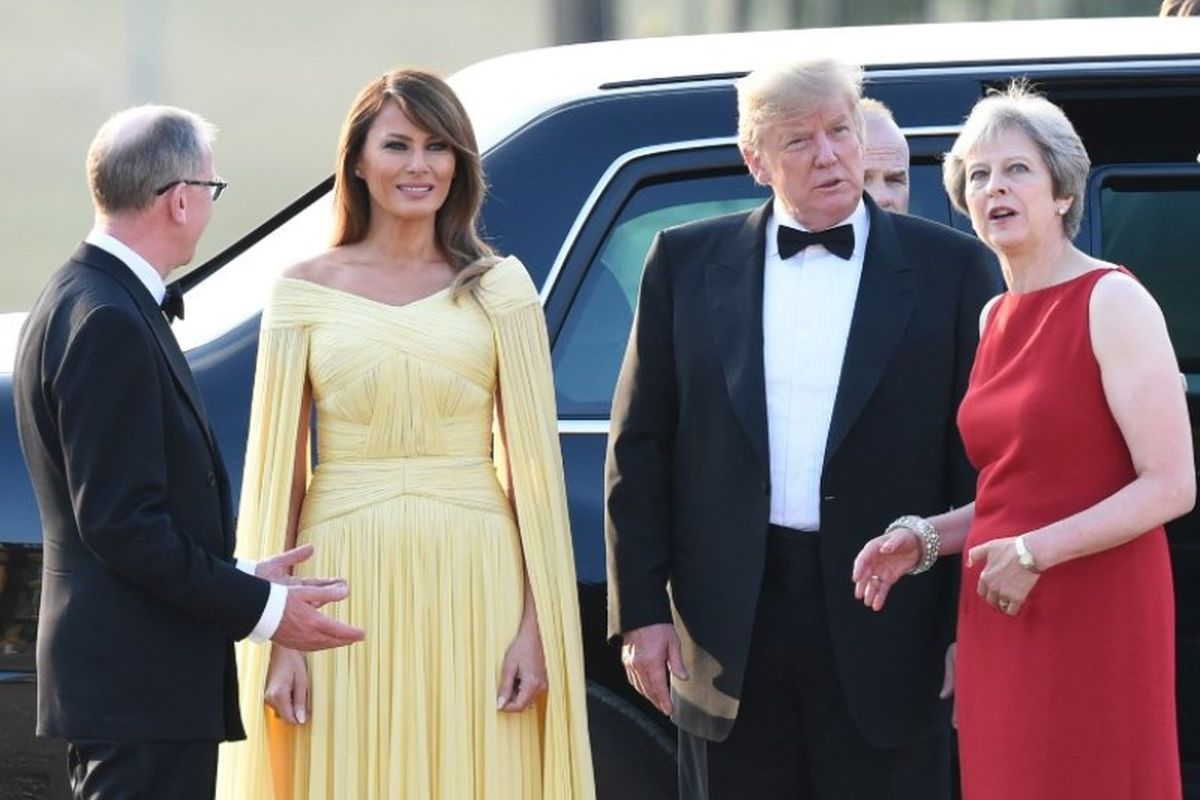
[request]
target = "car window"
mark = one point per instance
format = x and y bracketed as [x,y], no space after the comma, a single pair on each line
[926,198]
[239,289]
[1148,224]
[591,343]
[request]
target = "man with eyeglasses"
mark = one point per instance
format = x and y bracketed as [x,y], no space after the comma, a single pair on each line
[141,596]
[215,187]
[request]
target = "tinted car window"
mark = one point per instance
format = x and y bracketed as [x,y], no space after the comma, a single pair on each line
[926,198]
[591,344]
[1148,223]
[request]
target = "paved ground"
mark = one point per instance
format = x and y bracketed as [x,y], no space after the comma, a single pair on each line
[30,769]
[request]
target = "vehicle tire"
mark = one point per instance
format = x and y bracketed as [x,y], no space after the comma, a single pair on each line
[633,757]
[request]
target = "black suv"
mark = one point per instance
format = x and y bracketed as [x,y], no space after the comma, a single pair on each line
[590,150]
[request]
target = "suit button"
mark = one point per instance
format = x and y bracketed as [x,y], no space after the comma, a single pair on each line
[210,479]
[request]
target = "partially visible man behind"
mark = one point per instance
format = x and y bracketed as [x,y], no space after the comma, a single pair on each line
[141,598]
[789,370]
[885,156]
[1179,8]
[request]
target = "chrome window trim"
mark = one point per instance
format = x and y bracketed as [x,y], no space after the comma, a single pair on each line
[572,426]
[8,676]
[629,156]
[1089,65]
[931,130]
[602,185]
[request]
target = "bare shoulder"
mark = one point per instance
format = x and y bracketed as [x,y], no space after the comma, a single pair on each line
[1125,321]
[1119,297]
[322,268]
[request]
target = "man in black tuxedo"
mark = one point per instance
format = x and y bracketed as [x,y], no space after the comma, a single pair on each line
[141,597]
[790,386]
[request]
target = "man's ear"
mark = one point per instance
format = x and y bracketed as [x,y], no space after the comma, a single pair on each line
[758,170]
[177,205]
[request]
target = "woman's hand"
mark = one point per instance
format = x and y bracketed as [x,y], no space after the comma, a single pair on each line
[1003,583]
[523,676]
[287,685]
[883,561]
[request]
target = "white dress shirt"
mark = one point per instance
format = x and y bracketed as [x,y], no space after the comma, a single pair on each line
[272,614]
[808,302]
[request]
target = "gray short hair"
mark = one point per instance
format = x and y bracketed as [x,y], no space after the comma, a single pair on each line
[1021,109]
[795,87]
[140,150]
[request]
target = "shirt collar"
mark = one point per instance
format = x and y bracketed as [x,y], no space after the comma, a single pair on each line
[139,266]
[859,219]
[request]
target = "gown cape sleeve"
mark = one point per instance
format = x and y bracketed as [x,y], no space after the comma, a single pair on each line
[529,461]
[280,373]
[529,423]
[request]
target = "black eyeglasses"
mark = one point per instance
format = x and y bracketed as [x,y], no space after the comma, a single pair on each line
[215,187]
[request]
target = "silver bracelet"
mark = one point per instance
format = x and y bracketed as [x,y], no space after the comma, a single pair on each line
[930,540]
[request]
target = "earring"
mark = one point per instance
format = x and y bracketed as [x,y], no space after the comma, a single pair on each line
[1062,211]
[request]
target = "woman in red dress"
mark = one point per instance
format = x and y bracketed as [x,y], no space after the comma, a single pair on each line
[1077,423]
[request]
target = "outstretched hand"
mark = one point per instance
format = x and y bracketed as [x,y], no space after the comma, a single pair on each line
[278,569]
[305,628]
[882,562]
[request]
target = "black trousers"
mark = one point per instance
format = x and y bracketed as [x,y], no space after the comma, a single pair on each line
[128,770]
[794,738]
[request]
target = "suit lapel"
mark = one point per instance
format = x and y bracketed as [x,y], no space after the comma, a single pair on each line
[886,295]
[734,289]
[110,265]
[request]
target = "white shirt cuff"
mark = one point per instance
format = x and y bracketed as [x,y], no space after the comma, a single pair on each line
[272,614]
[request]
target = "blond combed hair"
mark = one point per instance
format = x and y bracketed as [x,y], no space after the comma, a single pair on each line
[794,87]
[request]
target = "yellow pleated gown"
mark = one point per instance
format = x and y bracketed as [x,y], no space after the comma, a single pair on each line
[414,501]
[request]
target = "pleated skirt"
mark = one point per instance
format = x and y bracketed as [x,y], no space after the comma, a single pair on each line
[433,559]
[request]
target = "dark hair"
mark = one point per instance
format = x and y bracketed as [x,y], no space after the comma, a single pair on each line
[432,105]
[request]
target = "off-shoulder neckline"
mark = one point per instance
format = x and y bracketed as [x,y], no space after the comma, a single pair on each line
[370,300]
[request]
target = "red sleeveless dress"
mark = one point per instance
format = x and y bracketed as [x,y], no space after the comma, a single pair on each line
[1074,697]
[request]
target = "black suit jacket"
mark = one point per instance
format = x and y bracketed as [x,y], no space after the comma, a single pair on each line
[140,596]
[688,475]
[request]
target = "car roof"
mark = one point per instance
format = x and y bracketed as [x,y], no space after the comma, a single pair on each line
[506,92]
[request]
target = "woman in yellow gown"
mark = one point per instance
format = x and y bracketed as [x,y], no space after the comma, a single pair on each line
[437,492]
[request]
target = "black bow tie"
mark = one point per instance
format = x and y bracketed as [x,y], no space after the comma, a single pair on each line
[839,240]
[172,303]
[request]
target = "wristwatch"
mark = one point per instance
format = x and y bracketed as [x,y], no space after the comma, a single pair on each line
[1024,557]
